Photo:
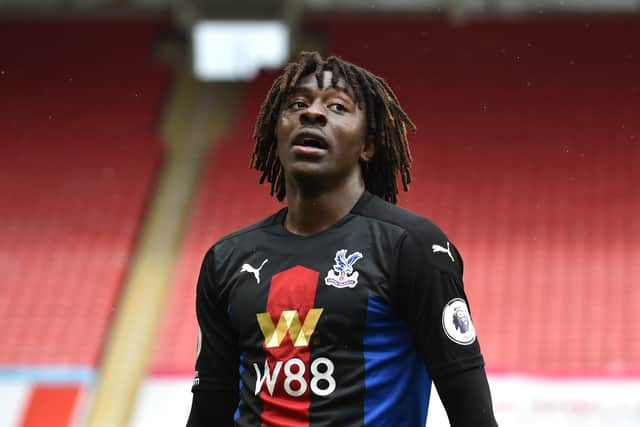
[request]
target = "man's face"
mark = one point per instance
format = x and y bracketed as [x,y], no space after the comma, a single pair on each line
[321,133]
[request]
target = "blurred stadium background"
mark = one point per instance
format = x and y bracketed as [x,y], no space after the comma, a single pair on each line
[125,136]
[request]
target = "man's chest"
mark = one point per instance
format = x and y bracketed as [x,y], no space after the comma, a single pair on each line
[299,294]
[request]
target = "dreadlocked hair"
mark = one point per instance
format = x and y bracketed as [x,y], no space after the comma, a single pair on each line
[386,122]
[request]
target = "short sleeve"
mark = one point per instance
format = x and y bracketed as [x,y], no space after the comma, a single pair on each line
[217,359]
[429,294]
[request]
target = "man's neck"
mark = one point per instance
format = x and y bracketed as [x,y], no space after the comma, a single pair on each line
[312,212]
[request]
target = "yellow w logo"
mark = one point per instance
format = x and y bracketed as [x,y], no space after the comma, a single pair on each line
[289,321]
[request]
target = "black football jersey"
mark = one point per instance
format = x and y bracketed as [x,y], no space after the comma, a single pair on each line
[343,328]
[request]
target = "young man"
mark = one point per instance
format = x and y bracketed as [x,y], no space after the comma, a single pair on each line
[340,309]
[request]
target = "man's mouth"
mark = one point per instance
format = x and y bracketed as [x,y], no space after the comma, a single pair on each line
[310,143]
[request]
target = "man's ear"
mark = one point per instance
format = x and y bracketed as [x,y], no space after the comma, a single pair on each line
[368,149]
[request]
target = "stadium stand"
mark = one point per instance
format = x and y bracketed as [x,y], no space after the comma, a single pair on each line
[78,159]
[526,154]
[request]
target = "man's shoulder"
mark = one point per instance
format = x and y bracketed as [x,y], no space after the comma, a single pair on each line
[414,224]
[247,233]
[422,233]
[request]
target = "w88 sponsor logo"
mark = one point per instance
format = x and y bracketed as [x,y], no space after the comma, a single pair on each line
[293,370]
[322,382]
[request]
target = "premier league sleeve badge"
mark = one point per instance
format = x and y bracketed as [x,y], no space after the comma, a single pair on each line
[456,322]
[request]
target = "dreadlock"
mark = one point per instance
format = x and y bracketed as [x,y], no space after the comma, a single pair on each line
[386,121]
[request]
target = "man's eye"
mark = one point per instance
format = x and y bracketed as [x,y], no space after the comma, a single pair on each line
[339,108]
[297,105]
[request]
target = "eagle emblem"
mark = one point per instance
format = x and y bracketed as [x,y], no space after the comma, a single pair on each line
[342,275]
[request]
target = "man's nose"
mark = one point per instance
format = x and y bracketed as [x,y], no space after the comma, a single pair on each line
[313,116]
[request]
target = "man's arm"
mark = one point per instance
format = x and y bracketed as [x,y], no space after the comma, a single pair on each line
[466,398]
[216,384]
[212,408]
[431,296]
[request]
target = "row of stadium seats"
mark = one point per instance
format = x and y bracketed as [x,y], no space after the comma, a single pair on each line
[78,161]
